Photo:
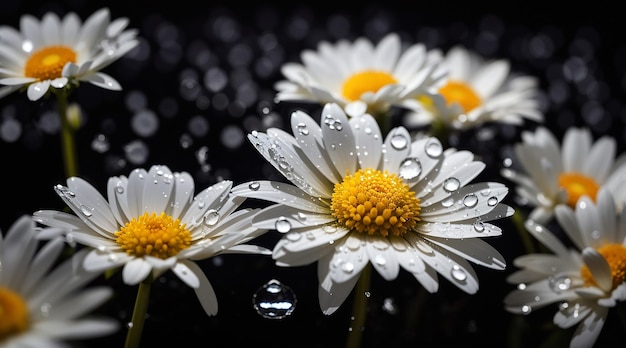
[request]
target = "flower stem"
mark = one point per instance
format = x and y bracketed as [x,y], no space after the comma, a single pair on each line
[359,309]
[139,314]
[518,220]
[67,135]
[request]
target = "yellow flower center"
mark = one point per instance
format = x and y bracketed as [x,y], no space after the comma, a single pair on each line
[615,256]
[365,81]
[48,62]
[461,93]
[577,185]
[155,235]
[14,316]
[372,201]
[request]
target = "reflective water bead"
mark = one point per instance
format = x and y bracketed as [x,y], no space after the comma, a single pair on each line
[255,185]
[458,273]
[559,283]
[399,142]
[470,200]
[302,129]
[451,184]
[433,148]
[274,300]
[211,217]
[410,168]
[282,225]
[492,201]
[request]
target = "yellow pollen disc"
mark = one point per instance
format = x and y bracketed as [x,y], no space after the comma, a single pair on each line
[48,62]
[155,235]
[577,185]
[462,94]
[615,256]
[373,202]
[14,316]
[365,81]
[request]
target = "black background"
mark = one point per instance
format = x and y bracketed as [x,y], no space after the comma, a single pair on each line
[539,38]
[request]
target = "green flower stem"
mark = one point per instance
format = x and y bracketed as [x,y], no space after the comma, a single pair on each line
[359,309]
[518,220]
[67,135]
[133,337]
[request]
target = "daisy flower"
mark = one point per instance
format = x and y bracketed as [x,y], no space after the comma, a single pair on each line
[360,76]
[550,175]
[357,199]
[586,280]
[152,223]
[476,91]
[57,52]
[43,302]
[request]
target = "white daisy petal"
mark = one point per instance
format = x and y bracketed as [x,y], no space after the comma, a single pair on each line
[349,259]
[37,90]
[337,134]
[382,256]
[135,271]
[368,140]
[282,193]
[186,274]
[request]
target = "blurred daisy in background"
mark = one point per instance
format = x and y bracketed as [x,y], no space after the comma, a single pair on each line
[60,53]
[360,76]
[152,223]
[548,174]
[43,302]
[357,200]
[476,91]
[585,281]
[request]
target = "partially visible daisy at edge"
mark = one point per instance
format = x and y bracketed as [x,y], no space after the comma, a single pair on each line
[358,200]
[360,76]
[585,280]
[151,223]
[44,302]
[61,52]
[476,91]
[548,174]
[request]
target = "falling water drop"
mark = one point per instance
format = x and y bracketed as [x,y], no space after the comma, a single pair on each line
[274,300]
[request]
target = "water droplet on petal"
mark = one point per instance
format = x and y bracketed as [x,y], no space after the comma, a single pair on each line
[470,200]
[282,225]
[399,142]
[492,201]
[255,185]
[434,148]
[410,169]
[451,184]
[458,273]
[559,282]
[211,217]
[274,300]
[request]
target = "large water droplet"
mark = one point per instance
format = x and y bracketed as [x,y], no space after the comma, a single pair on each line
[458,273]
[470,200]
[399,141]
[274,300]
[559,282]
[410,169]
[282,225]
[451,184]
[492,201]
[434,148]
[211,217]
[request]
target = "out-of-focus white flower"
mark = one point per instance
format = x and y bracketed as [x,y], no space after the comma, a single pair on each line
[476,91]
[585,281]
[551,174]
[360,76]
[358,198]
[152,223]
[57,52]
[43,302]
